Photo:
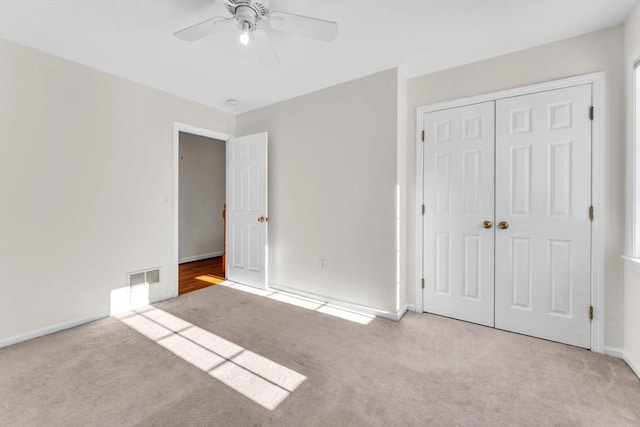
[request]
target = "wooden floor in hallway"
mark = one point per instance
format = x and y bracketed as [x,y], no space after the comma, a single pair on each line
[200,274]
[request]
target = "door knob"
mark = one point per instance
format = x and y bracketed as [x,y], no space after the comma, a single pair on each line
[487,224]
[503,225]
[263,219]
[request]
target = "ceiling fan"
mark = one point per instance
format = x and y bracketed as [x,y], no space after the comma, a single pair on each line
[254,19]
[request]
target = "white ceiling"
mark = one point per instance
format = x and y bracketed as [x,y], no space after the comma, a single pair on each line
[133,39]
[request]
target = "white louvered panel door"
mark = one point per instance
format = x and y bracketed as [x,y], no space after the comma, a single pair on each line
[543,193]
[458,197]
[247,209]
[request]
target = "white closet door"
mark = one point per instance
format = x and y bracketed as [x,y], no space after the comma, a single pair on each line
[543,194]
[458,198]
[247,210]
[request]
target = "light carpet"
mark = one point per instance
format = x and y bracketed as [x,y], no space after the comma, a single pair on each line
[422,371]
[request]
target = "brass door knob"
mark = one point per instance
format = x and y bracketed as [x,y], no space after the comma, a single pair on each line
[503,225]
[263,219]
[487,224]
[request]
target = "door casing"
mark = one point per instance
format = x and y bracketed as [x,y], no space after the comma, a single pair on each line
[598,173]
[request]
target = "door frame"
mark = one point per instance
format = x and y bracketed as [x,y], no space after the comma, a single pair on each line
[194,130]
[597,81]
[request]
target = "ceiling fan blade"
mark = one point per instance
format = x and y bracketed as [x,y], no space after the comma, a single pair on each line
[263,49]
[203,29]
[304,26]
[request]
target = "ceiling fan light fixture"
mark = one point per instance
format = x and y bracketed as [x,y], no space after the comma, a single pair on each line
[255,20]
[245,37]
[247,28]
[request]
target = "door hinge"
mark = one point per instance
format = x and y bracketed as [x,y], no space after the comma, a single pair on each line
[591,213]
[423,209]
[423,136]
[591,113]
[422,281]
[591,312]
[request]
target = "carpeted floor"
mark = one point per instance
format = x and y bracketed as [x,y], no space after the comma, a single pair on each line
[424,370]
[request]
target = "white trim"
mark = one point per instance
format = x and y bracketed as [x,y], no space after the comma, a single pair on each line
[195,130]
[411,307]
[266,212]
[401,312]
[613,352]
[633,263]
[360,309]
[65,325]
[510,93]
[598,192]
[420,199]
[51,329]
[598,173]
[200,257]
[635,366]
[632,193]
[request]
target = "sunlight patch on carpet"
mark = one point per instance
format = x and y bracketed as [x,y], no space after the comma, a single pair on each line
[256,377]
[302,302]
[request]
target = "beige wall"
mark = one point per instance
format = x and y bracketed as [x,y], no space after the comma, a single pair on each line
[632,272]
[85,187]
[202,167]
[86,178]
[332,190]
[599,51]
[632,32]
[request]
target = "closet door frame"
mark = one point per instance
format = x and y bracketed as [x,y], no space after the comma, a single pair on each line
[598,174]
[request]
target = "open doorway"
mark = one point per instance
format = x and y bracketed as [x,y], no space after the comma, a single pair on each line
[201,211]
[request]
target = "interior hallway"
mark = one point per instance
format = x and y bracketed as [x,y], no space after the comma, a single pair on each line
[200,274]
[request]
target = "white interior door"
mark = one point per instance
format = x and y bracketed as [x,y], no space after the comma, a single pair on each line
[459,198]
[247,210]
[543,194]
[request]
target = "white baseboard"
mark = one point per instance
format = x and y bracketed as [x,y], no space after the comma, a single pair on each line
[200,257]
[67,325]
[50,329]
[613,352]
[411,307]
[401,312]
[162,297]
[621,354]
[633,364]
[343,304]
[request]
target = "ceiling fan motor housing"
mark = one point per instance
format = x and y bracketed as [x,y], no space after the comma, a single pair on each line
[248,12]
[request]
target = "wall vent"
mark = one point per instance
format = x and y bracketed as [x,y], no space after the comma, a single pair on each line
[148,277]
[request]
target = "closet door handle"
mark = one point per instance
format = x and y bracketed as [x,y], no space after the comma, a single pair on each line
[487,224]
[503,225]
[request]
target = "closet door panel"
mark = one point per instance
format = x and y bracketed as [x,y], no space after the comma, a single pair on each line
[459,198]
[543,195]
